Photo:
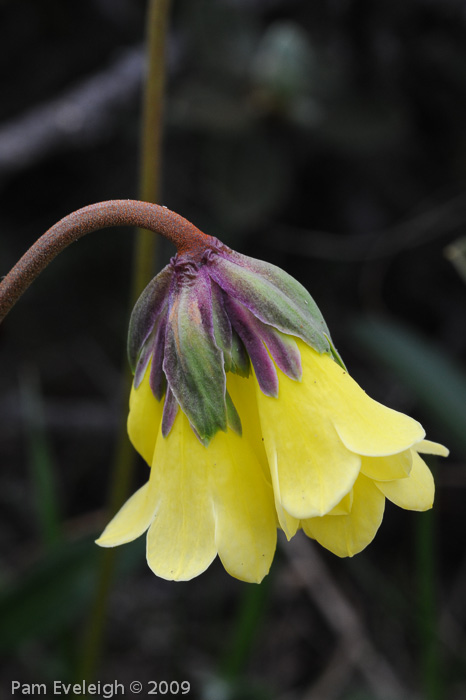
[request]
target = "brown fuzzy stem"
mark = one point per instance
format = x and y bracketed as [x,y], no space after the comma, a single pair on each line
[117,212]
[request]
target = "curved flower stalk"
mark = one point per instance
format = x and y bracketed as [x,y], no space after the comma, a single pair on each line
[250,421]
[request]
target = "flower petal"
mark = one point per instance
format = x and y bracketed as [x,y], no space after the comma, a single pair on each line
[288,523]
[311,468]
[431,448]
[388,468]
[246,526]
[131,521]
[145,415]
[345,505]
[414,493]
[364,425]
[243,394]
[181,539]
[346,535]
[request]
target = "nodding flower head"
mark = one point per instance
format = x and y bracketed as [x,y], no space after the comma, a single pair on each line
[200,319]
[242,408]
[250,421]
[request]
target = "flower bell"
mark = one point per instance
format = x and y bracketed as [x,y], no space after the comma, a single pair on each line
[250,421]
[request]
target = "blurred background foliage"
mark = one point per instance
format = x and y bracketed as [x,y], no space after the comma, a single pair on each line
[327,137]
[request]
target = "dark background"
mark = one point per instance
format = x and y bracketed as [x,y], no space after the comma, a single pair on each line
[327,137]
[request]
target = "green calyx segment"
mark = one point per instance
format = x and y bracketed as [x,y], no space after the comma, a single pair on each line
[335,354]
[233,419]
[272,296]
[236,359]
[193,363]
[221,326]
[151,304]
[240,362]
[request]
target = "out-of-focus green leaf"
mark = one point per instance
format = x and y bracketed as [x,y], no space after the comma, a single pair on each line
[53,593]
[247,624]
[40,459]
[49,595]
[438,383]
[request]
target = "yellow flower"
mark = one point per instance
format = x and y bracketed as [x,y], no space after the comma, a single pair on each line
[243,409]
[249,420]
[322,456]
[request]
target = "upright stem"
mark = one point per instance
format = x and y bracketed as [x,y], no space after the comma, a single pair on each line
[149,216]
[247,622]
[151,136]
[92,642]
[144,254]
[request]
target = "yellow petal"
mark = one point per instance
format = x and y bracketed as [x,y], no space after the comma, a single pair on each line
[181,539]
[131,521]
[387,468]
[431,448]
[364,425]
[243,393]
[414,493]
[346,535]
[345,505]
[145,415]
[287,522]
[311,468]
[245,520]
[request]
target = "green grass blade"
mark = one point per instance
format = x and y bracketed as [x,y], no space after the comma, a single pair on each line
[46,598]
[41,463]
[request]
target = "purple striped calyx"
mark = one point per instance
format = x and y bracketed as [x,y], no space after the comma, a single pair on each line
[205,315]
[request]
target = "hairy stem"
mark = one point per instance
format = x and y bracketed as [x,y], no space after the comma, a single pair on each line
[117,212]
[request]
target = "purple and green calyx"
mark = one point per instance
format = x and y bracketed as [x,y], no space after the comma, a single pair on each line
[214,311]
[208,312]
